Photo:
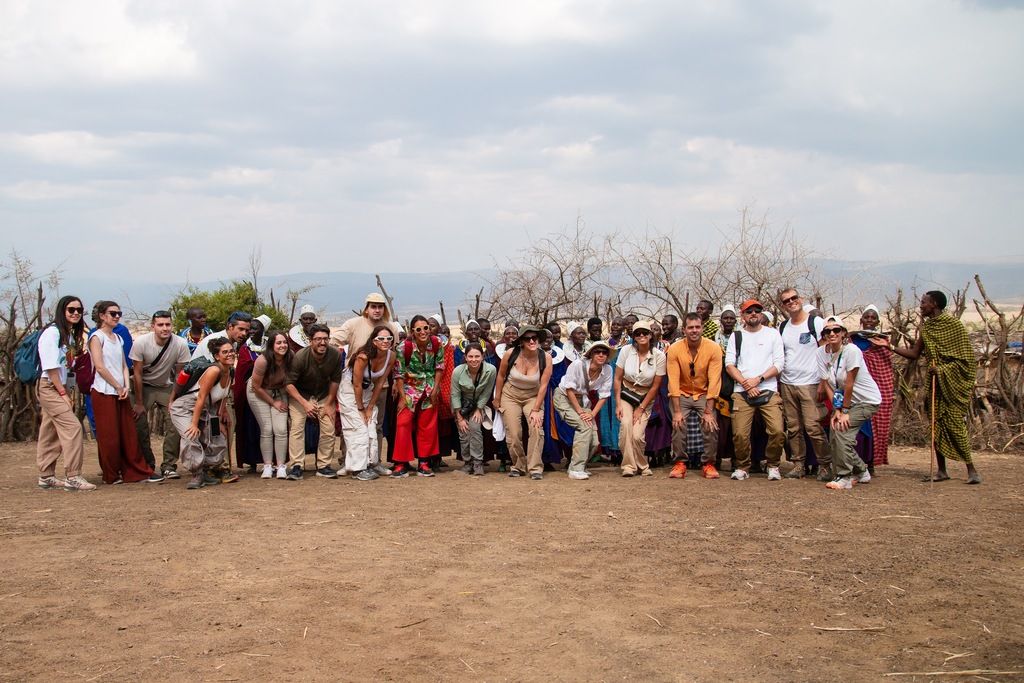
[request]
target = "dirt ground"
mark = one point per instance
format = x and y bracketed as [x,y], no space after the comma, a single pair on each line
[490,578]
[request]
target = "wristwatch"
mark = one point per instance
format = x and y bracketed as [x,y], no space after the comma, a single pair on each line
[846,411]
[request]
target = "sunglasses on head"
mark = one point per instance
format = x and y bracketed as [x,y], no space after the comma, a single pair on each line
[75,310]
[832,330]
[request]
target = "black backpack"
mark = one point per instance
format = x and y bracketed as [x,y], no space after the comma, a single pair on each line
[810,325]
[189,375]
[728,383]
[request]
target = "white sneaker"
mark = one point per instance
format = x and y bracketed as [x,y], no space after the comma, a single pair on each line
[268,472]
[840,483]
[740,475]
[864,477]
[78,483]
[282,472]
[774,474]
[381,470]
[573,474]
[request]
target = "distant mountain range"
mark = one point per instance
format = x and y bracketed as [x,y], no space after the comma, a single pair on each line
[336,294]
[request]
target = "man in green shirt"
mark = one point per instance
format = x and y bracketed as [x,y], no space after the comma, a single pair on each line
[312,386]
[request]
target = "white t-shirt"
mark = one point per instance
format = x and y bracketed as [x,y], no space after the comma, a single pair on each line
[145,350]
[635,372]
[801,346]
[575,379]
[759,351]
[113,359]
[52,354]
[834,367]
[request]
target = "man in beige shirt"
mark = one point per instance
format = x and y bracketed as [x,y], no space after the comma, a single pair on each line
[355,332]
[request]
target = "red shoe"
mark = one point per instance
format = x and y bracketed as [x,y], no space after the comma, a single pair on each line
[678,471]
[709,471]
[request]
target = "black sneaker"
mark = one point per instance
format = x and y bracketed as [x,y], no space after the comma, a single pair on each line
[210,480]
[155,478]
[327,472]
[171,474]
[400,472]
[424,471]
[295,473]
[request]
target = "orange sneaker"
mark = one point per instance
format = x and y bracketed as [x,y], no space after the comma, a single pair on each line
[678,471]
[709,471]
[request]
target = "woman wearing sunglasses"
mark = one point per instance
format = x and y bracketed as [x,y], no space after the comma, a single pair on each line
[519,392]
[854,397]
[194,414]
[60,432]
[579,398]
[420,365]
[361,385]
[639,372]
[117,440]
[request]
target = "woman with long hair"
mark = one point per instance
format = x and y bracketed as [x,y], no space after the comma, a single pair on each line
[117,440]
[854,397]
[194,413]
[60,432]
[421,363]
[519,393]
[268,401]
[639,372]
[362,382]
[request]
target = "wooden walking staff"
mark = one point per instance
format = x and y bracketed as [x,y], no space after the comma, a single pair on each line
[932,455]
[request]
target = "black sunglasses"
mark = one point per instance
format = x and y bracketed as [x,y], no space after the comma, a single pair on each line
[114,314]
[693,372]
[75,310]
[791,299]
[754,309]
[833,330]
[641,333]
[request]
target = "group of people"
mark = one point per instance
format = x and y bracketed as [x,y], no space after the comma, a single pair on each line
[643,395]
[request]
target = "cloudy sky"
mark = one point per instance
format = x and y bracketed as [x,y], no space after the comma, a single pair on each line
[159,138]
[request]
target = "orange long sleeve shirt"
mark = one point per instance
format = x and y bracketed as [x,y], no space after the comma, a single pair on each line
[707,370]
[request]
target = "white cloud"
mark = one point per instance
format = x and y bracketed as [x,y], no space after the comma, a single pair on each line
[49,42]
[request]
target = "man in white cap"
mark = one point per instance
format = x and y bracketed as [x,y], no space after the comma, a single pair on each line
[354,334]
[298,336]
[798,383]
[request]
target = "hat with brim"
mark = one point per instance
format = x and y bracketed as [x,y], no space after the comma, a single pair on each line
[832,320]
[597,345]
[374,298]
[643,325]
[542,334]
[488,418]
[748,303]
[263,320]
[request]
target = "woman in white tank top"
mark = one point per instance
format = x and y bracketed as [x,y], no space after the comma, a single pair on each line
[194,415]
[117,441]
[361,385]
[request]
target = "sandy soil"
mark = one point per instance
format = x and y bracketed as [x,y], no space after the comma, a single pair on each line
[498,579]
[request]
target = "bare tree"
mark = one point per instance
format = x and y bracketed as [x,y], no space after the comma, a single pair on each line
[554,278]
[255,266]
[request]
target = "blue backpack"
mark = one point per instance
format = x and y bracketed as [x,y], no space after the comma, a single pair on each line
[27,366]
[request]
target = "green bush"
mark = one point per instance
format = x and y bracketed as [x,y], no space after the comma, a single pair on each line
[236,295]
